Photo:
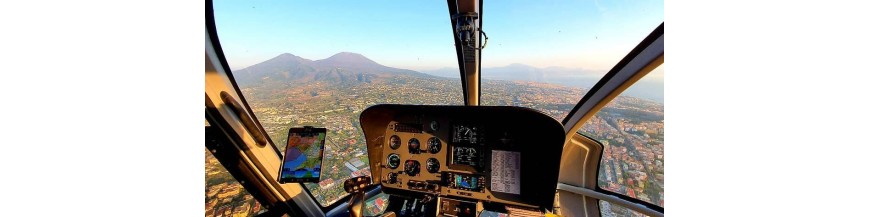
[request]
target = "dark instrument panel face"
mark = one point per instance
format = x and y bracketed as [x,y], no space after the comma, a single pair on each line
[469,156]
[481,153]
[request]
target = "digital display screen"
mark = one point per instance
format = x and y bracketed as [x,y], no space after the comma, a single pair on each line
[466,182]
[470,156]
[487,213]
[466,134]
[303,155]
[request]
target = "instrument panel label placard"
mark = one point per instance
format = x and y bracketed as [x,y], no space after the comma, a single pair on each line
[505,174]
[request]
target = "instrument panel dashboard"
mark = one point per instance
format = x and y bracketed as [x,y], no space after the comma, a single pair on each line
[485,153]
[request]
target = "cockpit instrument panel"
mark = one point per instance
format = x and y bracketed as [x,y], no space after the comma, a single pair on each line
[495,154]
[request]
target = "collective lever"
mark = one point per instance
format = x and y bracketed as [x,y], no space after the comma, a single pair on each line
[357,188]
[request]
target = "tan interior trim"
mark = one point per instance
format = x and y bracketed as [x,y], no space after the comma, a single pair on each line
[579,147]
[472,67]
[580,159]
[579,167]
[472,80]
[585,153]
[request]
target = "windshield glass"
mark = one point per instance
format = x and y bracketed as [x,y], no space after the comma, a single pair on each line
[320,63]
[631,128]
[546,54]
[315,63]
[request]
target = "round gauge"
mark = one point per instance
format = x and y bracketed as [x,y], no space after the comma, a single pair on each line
[393,161]
[433,125]
[434,145]
[414,145]
[395,142]
[412,167]
[432,165]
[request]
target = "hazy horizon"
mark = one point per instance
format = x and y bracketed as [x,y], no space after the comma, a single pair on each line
[651,87]
[418,35]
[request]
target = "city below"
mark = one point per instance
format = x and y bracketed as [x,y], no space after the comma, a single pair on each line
[314,93]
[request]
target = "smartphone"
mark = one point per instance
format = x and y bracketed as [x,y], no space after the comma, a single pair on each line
[303,155]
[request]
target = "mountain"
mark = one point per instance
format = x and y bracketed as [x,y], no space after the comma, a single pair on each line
[557,75]
[284,66]
[351,68]
[341,67]
[446,72]
[348,60]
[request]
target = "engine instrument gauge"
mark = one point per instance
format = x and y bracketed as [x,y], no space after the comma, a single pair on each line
[393,161]
[434,145]
[395,142]
[412,167]
[470,156]
[432,165]
[414,146]
[466,134]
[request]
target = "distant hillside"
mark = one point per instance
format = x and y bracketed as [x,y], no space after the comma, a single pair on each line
[519,72]
[353,68]
[652,88]
[341,67]
[446,72]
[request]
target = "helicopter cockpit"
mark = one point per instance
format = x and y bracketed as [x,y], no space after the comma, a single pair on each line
[424,159]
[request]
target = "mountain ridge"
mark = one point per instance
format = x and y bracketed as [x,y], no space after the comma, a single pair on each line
[340,67]
[347,68]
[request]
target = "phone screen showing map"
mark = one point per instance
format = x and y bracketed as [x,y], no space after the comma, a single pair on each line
[303,155]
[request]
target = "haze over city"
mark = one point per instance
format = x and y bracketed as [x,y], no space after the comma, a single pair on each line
[587,35]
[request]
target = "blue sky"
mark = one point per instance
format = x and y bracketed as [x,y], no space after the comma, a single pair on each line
[417,34]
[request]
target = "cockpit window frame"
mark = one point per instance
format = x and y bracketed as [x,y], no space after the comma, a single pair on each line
[572,118]
[210,24]
[653,44]
[212,33]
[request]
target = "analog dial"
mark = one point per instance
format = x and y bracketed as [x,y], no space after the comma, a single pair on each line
[395,142]
[432,165]
[412,167]
[393,161]
[434,145]
[414,146]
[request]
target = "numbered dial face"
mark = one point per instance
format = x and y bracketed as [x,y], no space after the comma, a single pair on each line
[393,161]
[395,142]
[434,145]
[432,165]
[414,146]
[412,167]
